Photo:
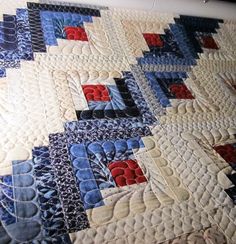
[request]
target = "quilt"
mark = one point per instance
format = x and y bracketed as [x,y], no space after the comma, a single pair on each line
[117,126]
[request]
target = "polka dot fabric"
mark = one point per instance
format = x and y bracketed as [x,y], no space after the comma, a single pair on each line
[126,172]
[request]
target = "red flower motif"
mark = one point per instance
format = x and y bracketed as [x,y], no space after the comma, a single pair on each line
[75,33]
[153,40]
[126,172]
[96,93]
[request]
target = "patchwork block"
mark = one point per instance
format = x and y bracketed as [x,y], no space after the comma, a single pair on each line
[125,97]
[168,85]
[164,47]
[112,98]
[177,43]
[30,30]
[90,162]
[60,25]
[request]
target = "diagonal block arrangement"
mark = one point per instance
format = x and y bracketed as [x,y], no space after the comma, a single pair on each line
[117,126]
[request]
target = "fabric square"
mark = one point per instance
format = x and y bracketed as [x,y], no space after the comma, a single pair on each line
[50,204]
[96,93]
[153,40]
[7,210]
[89,190]
[126,172]
[2,72]
[75,33]
[64,8]
[180,91]
[92,130]
[232,193]
[58,26]
[15,44]
[75,215]
[233,178]
[206,41]
[227,152]
[9,33]
[209,42]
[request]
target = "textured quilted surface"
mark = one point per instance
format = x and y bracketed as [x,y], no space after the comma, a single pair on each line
[117,126]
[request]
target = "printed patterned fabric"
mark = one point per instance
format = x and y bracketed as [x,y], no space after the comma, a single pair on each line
[15,44]
[117,126]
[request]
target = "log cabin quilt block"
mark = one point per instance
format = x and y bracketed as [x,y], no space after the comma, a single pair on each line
[117,125]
